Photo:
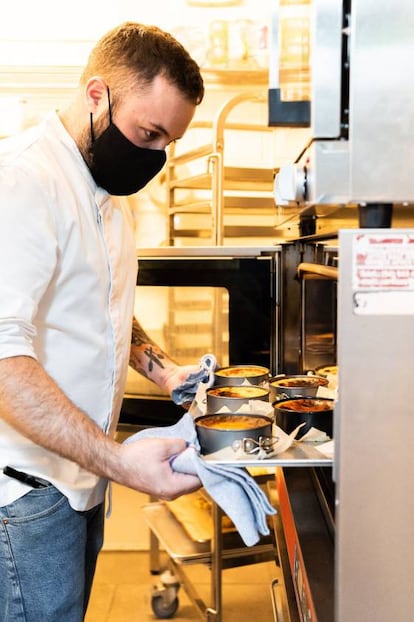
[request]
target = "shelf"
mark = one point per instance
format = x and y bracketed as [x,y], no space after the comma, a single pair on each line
[300,454]
[232,205]
[229,77]
[245,190]
[235,178]
[182,549]
[172,535]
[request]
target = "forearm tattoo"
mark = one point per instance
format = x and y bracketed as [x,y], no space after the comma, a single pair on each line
[146,353]
[139,337]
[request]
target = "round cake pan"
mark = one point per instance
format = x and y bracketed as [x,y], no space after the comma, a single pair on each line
[313,412]
[236,375]
[301,385]
[217,430]
[233,398]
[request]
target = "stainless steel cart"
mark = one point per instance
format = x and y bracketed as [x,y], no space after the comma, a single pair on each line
[223,550]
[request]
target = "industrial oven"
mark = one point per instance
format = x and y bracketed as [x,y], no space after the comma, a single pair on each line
[342,69]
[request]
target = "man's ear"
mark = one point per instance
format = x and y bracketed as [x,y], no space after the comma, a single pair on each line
[96,89]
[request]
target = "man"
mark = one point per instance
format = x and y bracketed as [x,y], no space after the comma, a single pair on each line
[67,285]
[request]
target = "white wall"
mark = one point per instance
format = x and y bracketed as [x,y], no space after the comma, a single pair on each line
[72,27]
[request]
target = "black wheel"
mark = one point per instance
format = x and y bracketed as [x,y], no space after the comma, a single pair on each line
[162,609]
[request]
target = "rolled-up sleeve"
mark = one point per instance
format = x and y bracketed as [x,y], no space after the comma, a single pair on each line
[27,259]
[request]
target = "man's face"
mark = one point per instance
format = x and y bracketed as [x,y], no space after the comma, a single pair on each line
[152,116]
[156,116]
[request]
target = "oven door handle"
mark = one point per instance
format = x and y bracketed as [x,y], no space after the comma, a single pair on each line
[315,269]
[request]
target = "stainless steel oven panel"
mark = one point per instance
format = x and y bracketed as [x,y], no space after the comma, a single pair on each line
[374,457]
[321,176]
[382,101]
[326,50]
[325,172]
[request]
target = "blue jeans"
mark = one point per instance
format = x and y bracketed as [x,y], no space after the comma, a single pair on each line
[48,555]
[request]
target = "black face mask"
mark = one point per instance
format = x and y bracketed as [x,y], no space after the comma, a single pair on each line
[119,166]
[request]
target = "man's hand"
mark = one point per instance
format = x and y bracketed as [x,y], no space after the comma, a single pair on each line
[145,465]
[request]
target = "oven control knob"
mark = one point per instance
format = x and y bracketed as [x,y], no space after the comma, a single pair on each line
[289,185]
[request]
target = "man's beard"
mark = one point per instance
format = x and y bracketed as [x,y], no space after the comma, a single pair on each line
[85,139]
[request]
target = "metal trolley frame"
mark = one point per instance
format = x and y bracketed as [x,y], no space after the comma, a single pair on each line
[222,552]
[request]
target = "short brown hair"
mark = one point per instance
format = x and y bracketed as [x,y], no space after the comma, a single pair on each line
[147,51]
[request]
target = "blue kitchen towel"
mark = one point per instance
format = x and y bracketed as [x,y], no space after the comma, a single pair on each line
[232,488]
[185,392]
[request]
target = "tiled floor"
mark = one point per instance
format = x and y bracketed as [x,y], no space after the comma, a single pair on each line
[123,585]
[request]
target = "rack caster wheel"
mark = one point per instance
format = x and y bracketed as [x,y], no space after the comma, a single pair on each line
[162,608]
[164,600]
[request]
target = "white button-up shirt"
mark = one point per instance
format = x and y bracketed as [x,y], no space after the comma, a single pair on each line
[67,283]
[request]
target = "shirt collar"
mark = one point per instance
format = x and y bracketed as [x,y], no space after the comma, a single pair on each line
[54,122]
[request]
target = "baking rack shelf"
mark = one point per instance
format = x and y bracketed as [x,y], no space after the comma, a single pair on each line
[300,454]
[215,193]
